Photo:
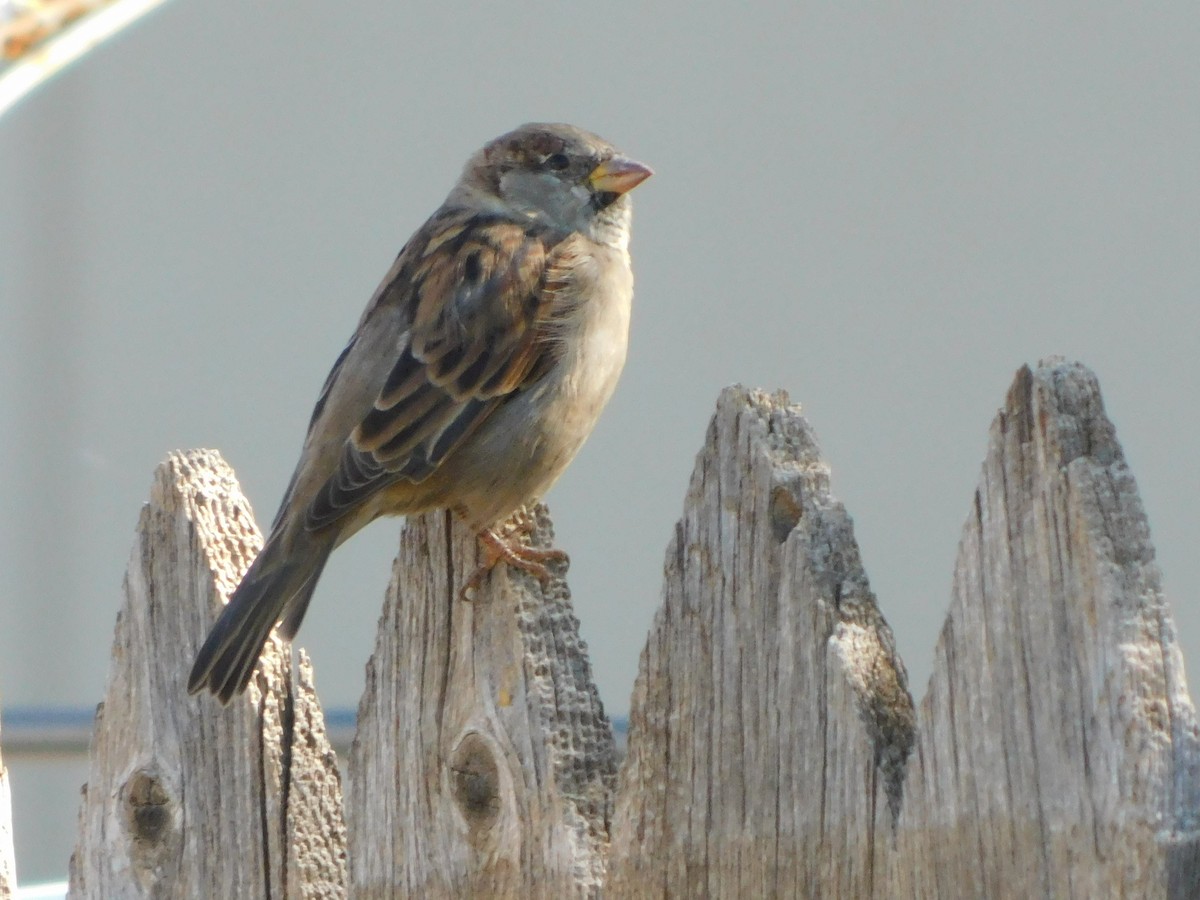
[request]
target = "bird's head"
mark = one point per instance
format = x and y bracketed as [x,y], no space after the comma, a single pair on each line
[563,176]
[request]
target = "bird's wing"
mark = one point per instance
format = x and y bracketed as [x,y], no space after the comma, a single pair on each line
[477,299]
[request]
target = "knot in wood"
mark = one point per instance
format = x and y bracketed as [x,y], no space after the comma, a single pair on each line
[785,510]
[475,777]
[147,807]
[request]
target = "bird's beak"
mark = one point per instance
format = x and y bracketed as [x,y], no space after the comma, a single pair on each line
[618,175]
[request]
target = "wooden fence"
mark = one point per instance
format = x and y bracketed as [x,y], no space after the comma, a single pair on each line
[774,748]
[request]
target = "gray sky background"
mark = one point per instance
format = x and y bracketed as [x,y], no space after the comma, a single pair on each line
[885,209]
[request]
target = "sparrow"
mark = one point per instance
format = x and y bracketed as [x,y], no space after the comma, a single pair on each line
[477,371]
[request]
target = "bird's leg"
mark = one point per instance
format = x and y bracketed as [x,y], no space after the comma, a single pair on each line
[509,549]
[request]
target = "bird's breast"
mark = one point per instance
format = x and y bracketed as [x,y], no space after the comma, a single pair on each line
[594,347]
[526,444]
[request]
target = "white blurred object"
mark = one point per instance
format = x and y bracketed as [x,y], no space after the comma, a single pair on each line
[42,39]
[10,9]
[56,890]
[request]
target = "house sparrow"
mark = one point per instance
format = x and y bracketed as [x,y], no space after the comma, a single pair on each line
[476,372]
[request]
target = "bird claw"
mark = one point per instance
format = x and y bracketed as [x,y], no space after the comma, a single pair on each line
[508,549]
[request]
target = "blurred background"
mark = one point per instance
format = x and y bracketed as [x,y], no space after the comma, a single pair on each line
[885,209]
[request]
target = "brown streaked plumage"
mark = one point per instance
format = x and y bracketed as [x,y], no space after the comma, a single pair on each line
[475,374]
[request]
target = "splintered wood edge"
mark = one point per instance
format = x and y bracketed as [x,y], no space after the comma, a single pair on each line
[862,640]
[316,826]
[578,735]
[799,568]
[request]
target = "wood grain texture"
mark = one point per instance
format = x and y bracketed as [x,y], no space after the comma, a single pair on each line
[483,765]
[8,859]
[186,798]
[774,749]
[1057,753]
[770,719]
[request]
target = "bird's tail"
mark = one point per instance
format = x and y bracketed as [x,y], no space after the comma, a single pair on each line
[277,586]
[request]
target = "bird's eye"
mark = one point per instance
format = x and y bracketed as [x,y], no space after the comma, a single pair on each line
[557,162]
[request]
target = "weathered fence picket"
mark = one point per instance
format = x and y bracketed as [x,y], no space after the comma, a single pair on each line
[8,863]
[483,765]
[1057,747]
[184,798]
[1056,753]
[775,750]
[771,720]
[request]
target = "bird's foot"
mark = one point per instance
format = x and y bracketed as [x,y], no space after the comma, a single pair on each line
[507,548]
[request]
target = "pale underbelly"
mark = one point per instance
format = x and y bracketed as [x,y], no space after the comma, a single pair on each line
[522,449]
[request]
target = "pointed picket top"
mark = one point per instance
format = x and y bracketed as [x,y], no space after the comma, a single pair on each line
[483,765]
[186,798]
[1058,752]
[770,720]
